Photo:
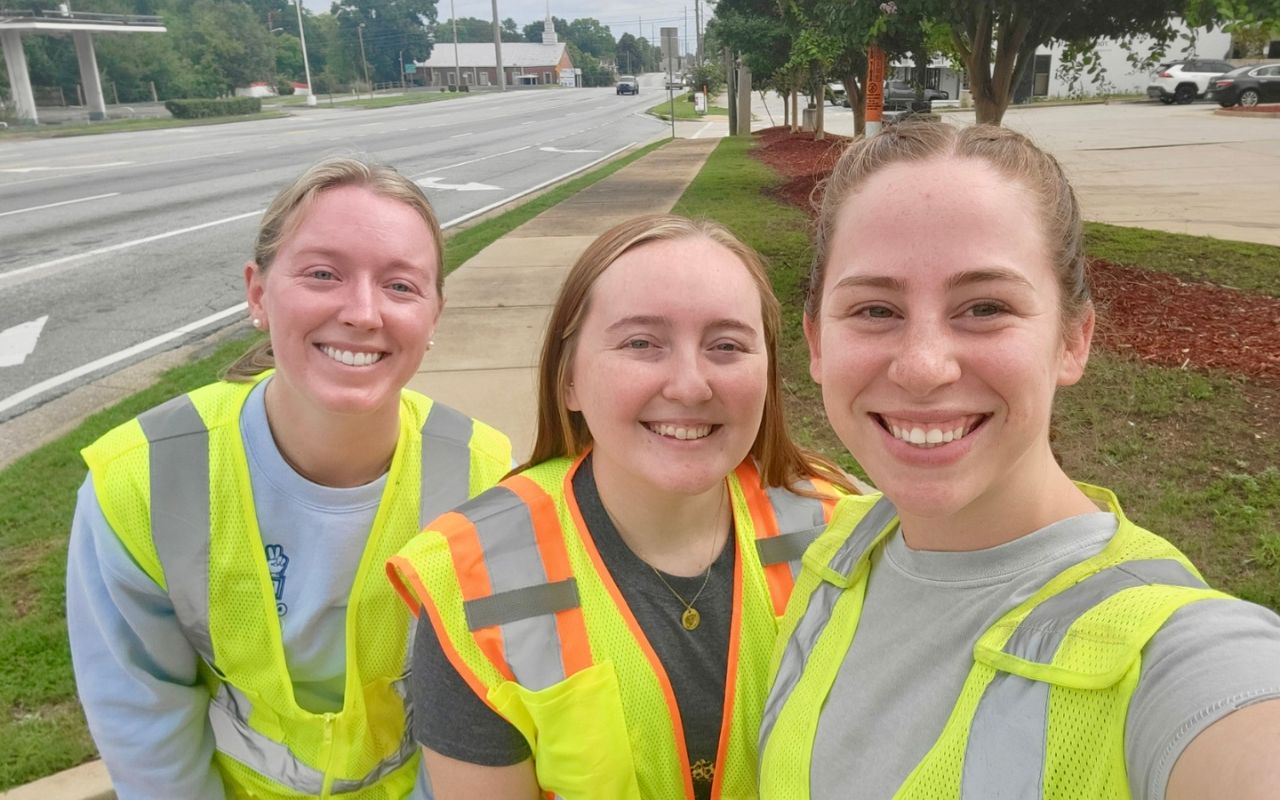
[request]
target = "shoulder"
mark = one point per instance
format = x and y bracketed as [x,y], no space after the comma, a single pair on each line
[441,423]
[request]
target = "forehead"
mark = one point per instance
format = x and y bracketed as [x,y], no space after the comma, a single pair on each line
[687,276]
[354,218]
[922,220]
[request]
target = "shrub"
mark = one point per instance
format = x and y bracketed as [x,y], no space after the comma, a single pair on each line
[213,107]
[284,87]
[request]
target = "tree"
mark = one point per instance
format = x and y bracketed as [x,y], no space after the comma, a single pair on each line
[511,31]
[591,37]
[470,29]
[393,30]
[533,31]
[997,41]
[629,56]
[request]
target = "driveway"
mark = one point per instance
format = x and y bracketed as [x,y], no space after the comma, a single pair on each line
[1174,168]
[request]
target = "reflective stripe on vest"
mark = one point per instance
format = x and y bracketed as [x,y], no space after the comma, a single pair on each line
[1007,745]
[803,519]
[818,612]
[178,441]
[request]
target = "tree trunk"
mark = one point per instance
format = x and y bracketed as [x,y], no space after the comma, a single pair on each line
[819,133]
[857,102]
[786,110]
[795,110]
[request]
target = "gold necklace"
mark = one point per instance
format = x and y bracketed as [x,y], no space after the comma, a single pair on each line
[691,619]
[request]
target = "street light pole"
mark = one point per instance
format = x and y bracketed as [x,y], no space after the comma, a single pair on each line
[306,62]
[363,60]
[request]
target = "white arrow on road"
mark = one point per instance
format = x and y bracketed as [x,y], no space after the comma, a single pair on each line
[435,183]
[558,150]
[16,343]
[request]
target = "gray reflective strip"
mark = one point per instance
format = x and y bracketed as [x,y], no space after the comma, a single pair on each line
[446,462]
[786,546]
[505,528]
[818,613]
[179,463]
[229,714]
[517,604]
[1005,754]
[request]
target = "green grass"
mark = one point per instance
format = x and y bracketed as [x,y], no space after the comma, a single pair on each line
[42,729]
[685,109]
[407,99]
[1191,455]
[125,125]
[1241,265]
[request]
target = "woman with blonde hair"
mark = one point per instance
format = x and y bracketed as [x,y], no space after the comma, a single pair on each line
[231,631]
[986,627]
[598,625]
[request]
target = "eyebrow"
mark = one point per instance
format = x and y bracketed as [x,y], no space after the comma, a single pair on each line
[960,279]
[656,320]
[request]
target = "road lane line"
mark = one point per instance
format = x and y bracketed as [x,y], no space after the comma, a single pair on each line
[460,135]
[73,166]
[468,161]
[701,130]
[531,189]
[7,277]
[55,205]
[40,388]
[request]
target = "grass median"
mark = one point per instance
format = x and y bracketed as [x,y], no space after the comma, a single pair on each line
[1186,451]
[126,125]
[684,109]
[42,728]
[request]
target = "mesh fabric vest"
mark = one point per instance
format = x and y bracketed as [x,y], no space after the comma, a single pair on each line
[1042,711]
[174,485]
[527,612]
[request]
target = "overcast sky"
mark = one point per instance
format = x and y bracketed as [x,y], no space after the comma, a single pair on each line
[622,16]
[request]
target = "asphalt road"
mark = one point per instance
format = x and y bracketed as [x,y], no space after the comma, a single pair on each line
[119,245]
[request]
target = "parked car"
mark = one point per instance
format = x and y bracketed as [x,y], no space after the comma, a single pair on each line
[901,94]
[1247,86]
[1185,81]
[627,84]
[835,94]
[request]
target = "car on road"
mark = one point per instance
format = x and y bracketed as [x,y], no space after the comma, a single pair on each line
[901,94]
[835,94]
[1247,86]
[627,84]
[1185,81]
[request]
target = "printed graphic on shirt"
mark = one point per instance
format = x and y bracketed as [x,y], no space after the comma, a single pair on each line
[277,563]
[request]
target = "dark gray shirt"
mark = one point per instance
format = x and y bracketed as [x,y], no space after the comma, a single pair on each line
[451,720]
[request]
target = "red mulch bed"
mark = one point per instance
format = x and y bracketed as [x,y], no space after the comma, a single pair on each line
[1156,316]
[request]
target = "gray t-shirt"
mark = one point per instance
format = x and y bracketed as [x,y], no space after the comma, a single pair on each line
[451,720]
[925,610]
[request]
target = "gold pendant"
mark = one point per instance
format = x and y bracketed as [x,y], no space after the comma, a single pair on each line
[690,619]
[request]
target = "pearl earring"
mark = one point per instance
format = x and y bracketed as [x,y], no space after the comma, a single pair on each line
[431,343]
[257,323]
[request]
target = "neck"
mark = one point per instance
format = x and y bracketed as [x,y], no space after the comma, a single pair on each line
[332,449]
[1022,507]
[678,534]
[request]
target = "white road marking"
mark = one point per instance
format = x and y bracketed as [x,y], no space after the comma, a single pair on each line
[435,183]
[470,161]
[54,205]
[7,277]
[558,150]
[40,388]
[16,343]
[77,166]
[702,130]
[459,135]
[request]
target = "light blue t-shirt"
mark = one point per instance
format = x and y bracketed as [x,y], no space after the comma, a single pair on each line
[135,671]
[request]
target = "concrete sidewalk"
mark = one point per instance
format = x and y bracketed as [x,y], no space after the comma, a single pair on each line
[486,352]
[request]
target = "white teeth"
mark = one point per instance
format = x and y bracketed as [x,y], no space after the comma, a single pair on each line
[352,359]
[680,431]
[932,437]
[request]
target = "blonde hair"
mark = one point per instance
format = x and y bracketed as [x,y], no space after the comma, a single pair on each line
[562,432]
[1011,154]
[290,207]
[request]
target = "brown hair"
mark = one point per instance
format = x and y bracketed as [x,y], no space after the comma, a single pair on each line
[562,432]
[1011,154]
[290,207]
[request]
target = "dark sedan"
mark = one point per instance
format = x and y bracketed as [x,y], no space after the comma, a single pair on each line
[1247,86]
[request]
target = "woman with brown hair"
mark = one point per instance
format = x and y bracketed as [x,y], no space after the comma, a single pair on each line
[231,632]
[987,627]
[599,624]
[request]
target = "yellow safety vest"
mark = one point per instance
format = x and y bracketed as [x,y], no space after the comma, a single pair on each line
[531,618]
[174,485]
[1042,712]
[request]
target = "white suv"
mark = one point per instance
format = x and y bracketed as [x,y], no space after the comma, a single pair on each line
[1185,81]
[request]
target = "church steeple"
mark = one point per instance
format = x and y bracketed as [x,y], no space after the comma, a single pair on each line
[549,28]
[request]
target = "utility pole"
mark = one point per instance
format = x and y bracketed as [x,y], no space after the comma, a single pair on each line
[363,60]
[402,69]
[683,60]
[457,63]
[497,48]
[306,62]
[697,29]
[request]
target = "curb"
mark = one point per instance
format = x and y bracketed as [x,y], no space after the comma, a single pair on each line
[88,781]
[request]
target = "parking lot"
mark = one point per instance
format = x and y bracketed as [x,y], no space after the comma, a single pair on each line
[1175,168]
